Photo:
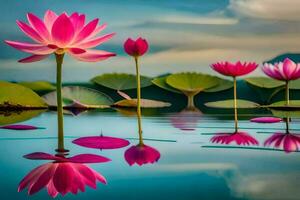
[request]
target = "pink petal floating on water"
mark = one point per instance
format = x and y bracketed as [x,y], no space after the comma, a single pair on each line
[19,127]
[266,120]
[101,142]
[43,156]
[88,158]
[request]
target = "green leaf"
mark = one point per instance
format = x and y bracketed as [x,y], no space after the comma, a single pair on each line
[295,85]
[14,95]
[161,82]
[121,81]
[281,105]
[145,103]
[223,84]
[264,82]
[39,86]
[230,104]
[77,95]
[15,117]
[191,83]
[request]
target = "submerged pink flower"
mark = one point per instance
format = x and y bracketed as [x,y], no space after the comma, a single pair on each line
[141,154]
[240,138]
[284,71]
[62,34]
[64,175]
[234,69]
[136,48]
[266,120]
[286,141]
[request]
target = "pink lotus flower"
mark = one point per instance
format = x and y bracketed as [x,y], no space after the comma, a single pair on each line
[141,154]
[286,141]
[136,48]
[62,176]
[266,120]
[234,69]
[284,71]
[240,138]
[61,34]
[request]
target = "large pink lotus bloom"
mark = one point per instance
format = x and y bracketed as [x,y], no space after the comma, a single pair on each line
[141,154]
[137,47]
[284,71]
[64,175]
[286,141]
[234,69]
[240,138]
[62,34]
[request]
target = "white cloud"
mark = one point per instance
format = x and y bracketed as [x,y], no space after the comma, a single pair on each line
[267,9]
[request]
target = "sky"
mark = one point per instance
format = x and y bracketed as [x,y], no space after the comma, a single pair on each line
[183,35]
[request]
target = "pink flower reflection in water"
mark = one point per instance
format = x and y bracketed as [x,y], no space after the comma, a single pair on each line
[62,176]
[141,154]
[101,142]
[286,141]
[266,120]
[240,138]
[186,120]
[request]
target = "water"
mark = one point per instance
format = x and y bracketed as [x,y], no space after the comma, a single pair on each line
[190,167]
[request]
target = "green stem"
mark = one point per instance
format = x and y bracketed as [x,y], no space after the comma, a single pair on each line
[287,93]
[191,104]
[60,117]
[287,125]
[139,115]
[235,105]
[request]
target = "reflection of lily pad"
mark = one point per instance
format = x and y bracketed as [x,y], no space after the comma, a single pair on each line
[191,83]
[264,82]
[145,103]
[120,81]
[14,95]
[80,97]
[15,117]
[39,86]
[223,84]
[230,104]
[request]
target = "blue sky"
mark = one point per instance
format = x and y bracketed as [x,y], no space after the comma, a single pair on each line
[183,35]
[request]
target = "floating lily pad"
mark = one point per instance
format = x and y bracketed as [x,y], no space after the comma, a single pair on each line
[17,96]
[264,82]
[191,83]
[161,82]
[230,104]
[80,97]
[223,84]
[121,81]
[39,86]
[15,117]
[281,105]
[145,103]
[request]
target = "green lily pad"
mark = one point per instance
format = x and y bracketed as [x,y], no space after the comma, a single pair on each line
[145,103]
[230,104]
[15,117]
[295,85]
[117,81]
[161,82]
[39,86]
[223,84]
[264,82]
[191,83]
[281,105]
[14,95]
[80,97]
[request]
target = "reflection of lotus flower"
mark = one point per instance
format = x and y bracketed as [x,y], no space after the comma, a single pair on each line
[64,175]
[19,127]
[234,69]
[266,120]
[141,154]
[185,120]
[136,48]
[62,33]
[286,141]
[240,138]
[284,71]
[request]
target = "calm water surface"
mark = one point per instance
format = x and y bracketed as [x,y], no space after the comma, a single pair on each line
[190,167]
